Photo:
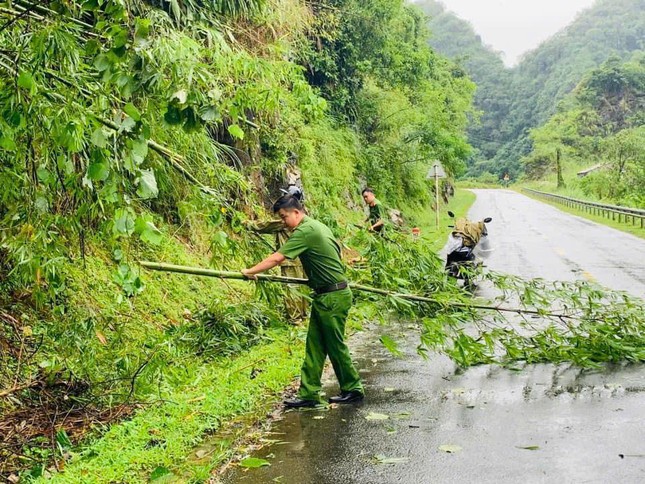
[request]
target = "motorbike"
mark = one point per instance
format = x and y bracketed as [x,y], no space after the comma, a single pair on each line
[467,245]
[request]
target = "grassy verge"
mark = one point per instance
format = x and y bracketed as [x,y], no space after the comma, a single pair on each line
[572,188]
[624,227]
[157,440]
[424,218]
[573,185]
[183,375]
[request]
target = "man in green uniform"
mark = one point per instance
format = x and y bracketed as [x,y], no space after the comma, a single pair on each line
[319,253]
[375,219]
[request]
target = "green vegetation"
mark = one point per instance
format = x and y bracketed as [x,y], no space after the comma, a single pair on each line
[456,38]
[599,125]
[158,130]
[426,221]
[146,129]
[197,400]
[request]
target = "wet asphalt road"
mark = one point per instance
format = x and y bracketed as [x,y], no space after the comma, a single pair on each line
[533,239]
[542,424]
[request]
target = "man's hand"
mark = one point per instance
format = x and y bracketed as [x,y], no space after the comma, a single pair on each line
[249,275]
[270,262]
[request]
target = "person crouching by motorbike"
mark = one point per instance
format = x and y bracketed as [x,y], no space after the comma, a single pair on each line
[464,239]
[375,207]
[319,252]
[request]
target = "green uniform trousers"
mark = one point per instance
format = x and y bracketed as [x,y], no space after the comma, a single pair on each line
[326,337]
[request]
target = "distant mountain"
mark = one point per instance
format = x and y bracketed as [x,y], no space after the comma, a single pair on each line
[458,40]
[516,100]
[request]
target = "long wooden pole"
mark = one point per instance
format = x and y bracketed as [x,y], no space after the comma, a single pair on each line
[199,271]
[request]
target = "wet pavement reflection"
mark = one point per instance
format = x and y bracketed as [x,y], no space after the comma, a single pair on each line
[427,421]
[541,424]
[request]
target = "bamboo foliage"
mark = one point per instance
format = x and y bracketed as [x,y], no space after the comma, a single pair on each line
[89,93]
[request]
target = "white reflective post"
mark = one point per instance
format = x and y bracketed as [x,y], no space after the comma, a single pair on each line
[436,172]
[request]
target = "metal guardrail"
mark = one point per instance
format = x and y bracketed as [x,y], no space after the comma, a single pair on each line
[624,214]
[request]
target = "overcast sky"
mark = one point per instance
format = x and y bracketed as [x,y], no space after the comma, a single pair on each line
[516,26]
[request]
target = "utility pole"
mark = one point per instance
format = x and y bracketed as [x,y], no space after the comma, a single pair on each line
[558,168]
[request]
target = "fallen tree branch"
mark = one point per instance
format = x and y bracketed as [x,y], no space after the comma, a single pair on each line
[198,271]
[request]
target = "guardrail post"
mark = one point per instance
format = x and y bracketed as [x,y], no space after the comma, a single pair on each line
[598,209]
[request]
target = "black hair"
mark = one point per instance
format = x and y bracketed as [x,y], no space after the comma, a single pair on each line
[287,202]
[367,189]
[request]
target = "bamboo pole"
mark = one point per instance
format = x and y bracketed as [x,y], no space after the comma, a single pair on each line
[199,271]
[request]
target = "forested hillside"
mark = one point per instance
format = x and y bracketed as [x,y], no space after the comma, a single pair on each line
[513,101]
[602,125]
[457,39]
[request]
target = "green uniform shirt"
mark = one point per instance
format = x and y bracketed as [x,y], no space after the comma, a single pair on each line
[319,253]
[376,212]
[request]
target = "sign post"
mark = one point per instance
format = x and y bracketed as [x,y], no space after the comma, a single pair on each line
[436,172]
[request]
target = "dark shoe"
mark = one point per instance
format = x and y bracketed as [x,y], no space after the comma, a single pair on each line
[347,397]
[300,403]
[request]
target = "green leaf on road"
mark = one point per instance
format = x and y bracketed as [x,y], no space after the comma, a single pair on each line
[381,459]
[254,462]
[528,447]
[402,415]
[390,345]
[376,416]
